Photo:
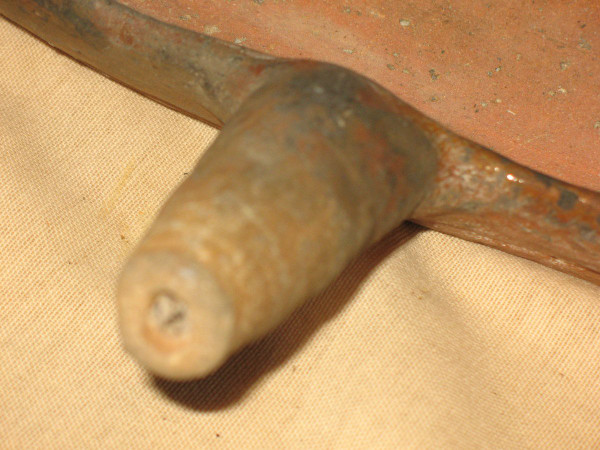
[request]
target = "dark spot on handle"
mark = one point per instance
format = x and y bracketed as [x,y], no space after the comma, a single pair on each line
[567,199]
[467,154]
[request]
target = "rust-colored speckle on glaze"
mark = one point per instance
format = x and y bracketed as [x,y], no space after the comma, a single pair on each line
[314,163]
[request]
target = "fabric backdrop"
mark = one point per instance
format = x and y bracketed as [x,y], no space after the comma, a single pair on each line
[426,341]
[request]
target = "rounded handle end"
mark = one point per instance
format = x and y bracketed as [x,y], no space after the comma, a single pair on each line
[174,318]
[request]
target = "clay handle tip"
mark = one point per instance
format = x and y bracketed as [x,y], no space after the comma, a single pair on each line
[174,318]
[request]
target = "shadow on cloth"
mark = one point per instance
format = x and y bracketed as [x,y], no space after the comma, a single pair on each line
[232,382]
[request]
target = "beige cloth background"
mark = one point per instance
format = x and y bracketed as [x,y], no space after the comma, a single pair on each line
[425,342]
